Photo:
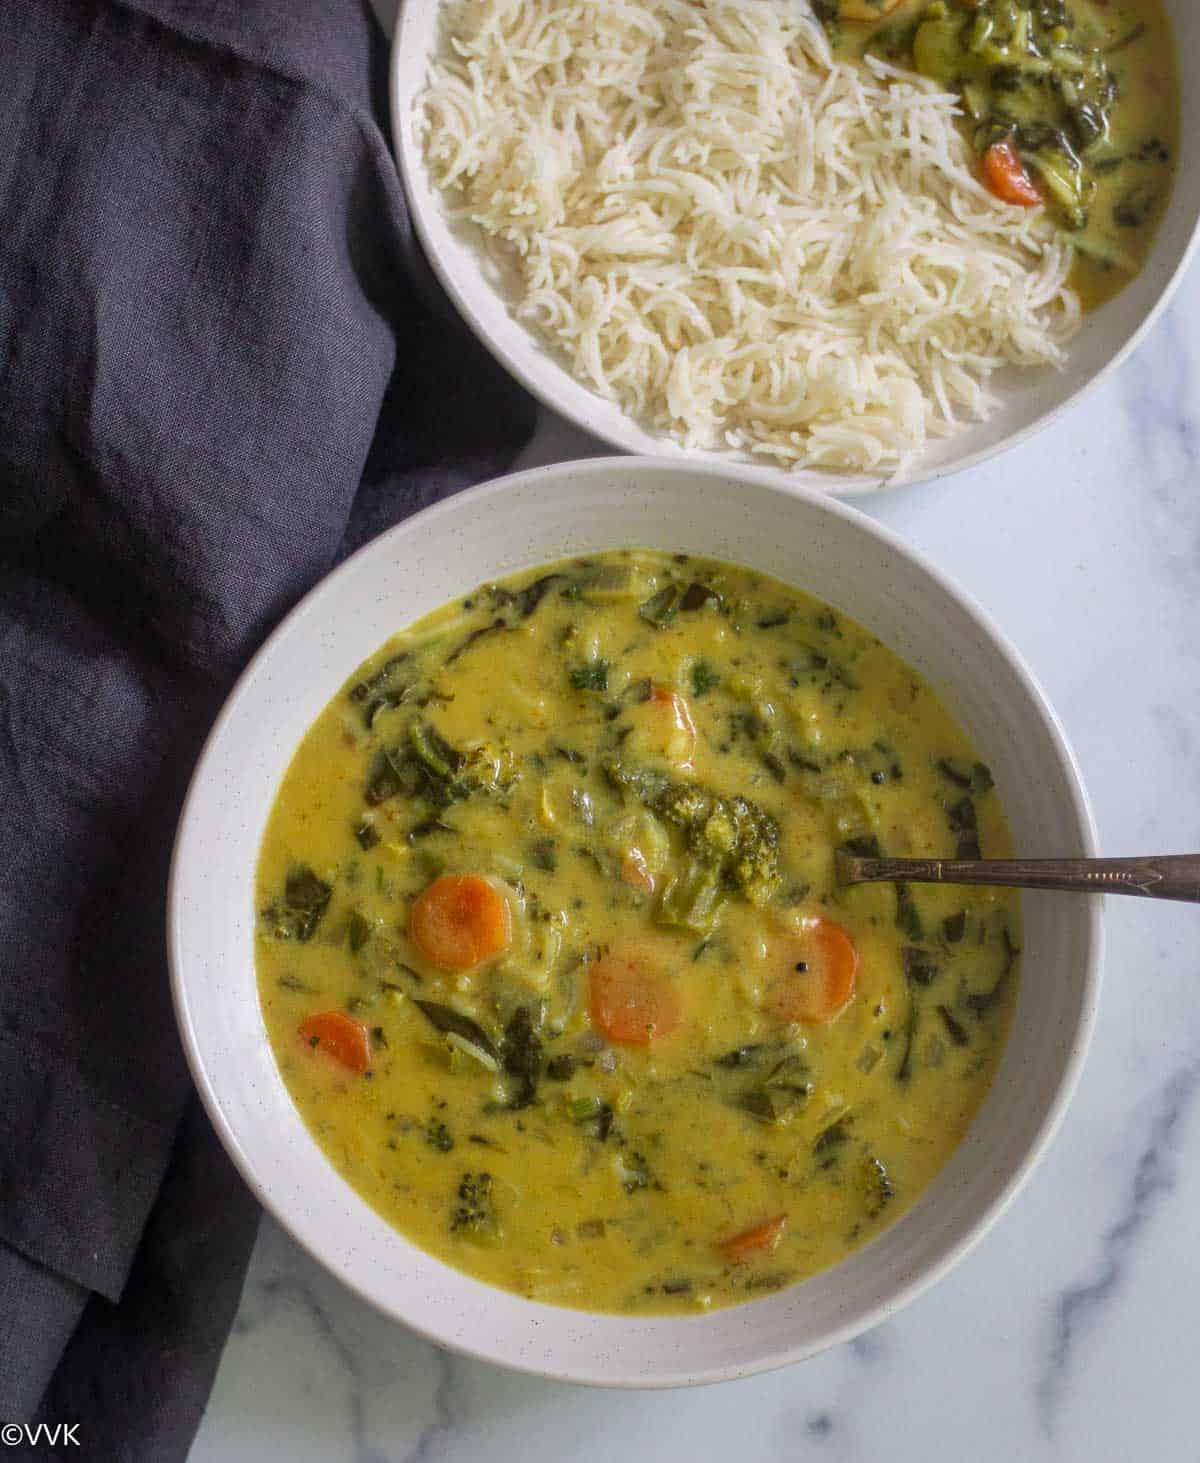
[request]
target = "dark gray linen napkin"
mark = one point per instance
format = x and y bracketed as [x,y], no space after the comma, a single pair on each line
[222,365]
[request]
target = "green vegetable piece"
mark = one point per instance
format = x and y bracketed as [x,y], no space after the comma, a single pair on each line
[450,1022]
[696,596]
[385,780]
[542,854]
[475,635]
[293,983]
[1134,208]
[527,600]
[828,1146]
[904,1070]
[921,967]
[591,676]
[378,689]
[704,678]
[780,1095]
[593,1114]
[358,932]
[962,820]
[562,1067]
[982,1002]
[680,1286]
[305,900]
[939,52]
[660,609]
[473,1216]
[1063,179]
[742,1056]
[956,1031]
[437,1135]
[908,916]
[436,754]
[954,771]
[953,927]
[521,1052]
[734,836]
[367,834]
[691,899]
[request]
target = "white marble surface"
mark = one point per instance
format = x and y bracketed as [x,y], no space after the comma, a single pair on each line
[1071,1331]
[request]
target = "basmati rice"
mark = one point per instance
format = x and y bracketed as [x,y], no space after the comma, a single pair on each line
[740,240]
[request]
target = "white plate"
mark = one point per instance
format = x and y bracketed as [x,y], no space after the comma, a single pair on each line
[826,548]
[1031,399]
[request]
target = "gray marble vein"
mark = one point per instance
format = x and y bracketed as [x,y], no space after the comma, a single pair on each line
[438,1440]
[1082,1306]
[292,1291]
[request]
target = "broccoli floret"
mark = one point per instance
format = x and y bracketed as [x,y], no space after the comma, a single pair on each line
[473,1216]
[733,836]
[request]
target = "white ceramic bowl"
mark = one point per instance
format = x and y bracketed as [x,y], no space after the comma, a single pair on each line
[1031,399]
[828,549]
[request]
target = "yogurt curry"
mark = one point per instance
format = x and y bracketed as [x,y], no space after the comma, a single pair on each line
[551,953]
[1071,103]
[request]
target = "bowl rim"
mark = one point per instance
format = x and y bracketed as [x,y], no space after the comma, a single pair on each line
[829,484]
[866,1315]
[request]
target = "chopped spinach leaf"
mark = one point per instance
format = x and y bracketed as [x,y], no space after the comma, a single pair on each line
[305,900]
[453,1023]
[521,1052]
[660,608]
[962,820]
[591,676]
[954,926]
[704,678]
[954,1028]
[921,967]
[437,1135]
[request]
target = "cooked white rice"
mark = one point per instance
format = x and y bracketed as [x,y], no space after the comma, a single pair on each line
[742,242]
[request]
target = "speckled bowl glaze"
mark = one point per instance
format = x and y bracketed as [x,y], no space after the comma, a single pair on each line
[1030,400]
[812,541]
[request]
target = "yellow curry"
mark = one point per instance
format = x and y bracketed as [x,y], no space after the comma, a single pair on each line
[551,953]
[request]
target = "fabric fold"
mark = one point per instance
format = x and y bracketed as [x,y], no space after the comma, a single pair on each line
[208,289]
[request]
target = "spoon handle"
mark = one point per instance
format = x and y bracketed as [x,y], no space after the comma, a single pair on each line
[1169,876]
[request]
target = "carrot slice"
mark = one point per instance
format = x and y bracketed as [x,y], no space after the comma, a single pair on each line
[341,1036]
[631,1001]
[1005,175]
[746,1243]
[663,727]
[820,966]
[460,920]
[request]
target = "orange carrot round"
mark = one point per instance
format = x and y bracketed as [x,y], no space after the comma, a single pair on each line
[759,1238]
[631,1001]
[344,1038]
[1005,175]
[460,920]
[819,966]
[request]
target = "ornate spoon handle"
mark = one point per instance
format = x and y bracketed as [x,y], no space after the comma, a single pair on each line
[1169,876]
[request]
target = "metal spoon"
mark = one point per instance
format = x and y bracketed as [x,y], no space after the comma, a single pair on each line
[1169,876]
